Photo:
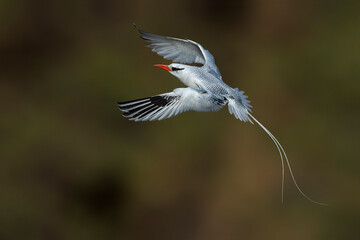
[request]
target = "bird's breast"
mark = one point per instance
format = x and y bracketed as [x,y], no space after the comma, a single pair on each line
[190,82]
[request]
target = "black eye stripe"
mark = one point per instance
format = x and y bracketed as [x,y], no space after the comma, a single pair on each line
[176,69]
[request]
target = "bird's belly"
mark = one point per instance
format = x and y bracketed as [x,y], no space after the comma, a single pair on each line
[208,103]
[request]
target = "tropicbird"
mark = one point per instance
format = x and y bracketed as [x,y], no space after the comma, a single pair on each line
[206,91]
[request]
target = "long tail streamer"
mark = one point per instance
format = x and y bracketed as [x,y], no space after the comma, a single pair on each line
[282,156]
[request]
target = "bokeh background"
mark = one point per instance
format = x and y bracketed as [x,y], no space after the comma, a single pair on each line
[73,168]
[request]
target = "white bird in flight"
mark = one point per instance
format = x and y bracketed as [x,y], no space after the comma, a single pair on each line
[206,91]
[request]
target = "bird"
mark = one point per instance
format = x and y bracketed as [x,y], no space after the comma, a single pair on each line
[206,91]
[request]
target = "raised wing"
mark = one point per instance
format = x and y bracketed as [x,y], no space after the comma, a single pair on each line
[170,104]
[179,50]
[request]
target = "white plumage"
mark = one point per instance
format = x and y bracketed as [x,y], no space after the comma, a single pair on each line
[170,104]
[206,91]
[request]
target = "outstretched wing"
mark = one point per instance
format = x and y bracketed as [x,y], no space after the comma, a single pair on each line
[179,50]
[169,104]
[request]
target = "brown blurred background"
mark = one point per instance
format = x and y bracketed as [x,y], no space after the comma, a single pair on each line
[73,168]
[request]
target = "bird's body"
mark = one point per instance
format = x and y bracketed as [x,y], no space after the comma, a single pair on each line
[206,91]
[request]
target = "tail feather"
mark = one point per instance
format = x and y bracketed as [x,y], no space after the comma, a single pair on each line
[240,106]
[282,156]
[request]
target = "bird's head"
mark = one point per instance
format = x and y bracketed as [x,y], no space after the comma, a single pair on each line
[176,69]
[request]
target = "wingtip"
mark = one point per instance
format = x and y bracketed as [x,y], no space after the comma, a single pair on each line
[120,107]
[137,28]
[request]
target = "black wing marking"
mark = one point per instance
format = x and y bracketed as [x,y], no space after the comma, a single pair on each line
[143,109]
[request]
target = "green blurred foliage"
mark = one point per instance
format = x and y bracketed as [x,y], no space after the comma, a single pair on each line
[73,168]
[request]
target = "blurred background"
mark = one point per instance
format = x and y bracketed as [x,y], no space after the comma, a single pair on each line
[73,168]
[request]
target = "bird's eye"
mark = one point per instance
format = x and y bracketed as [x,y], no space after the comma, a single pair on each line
[176,69]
